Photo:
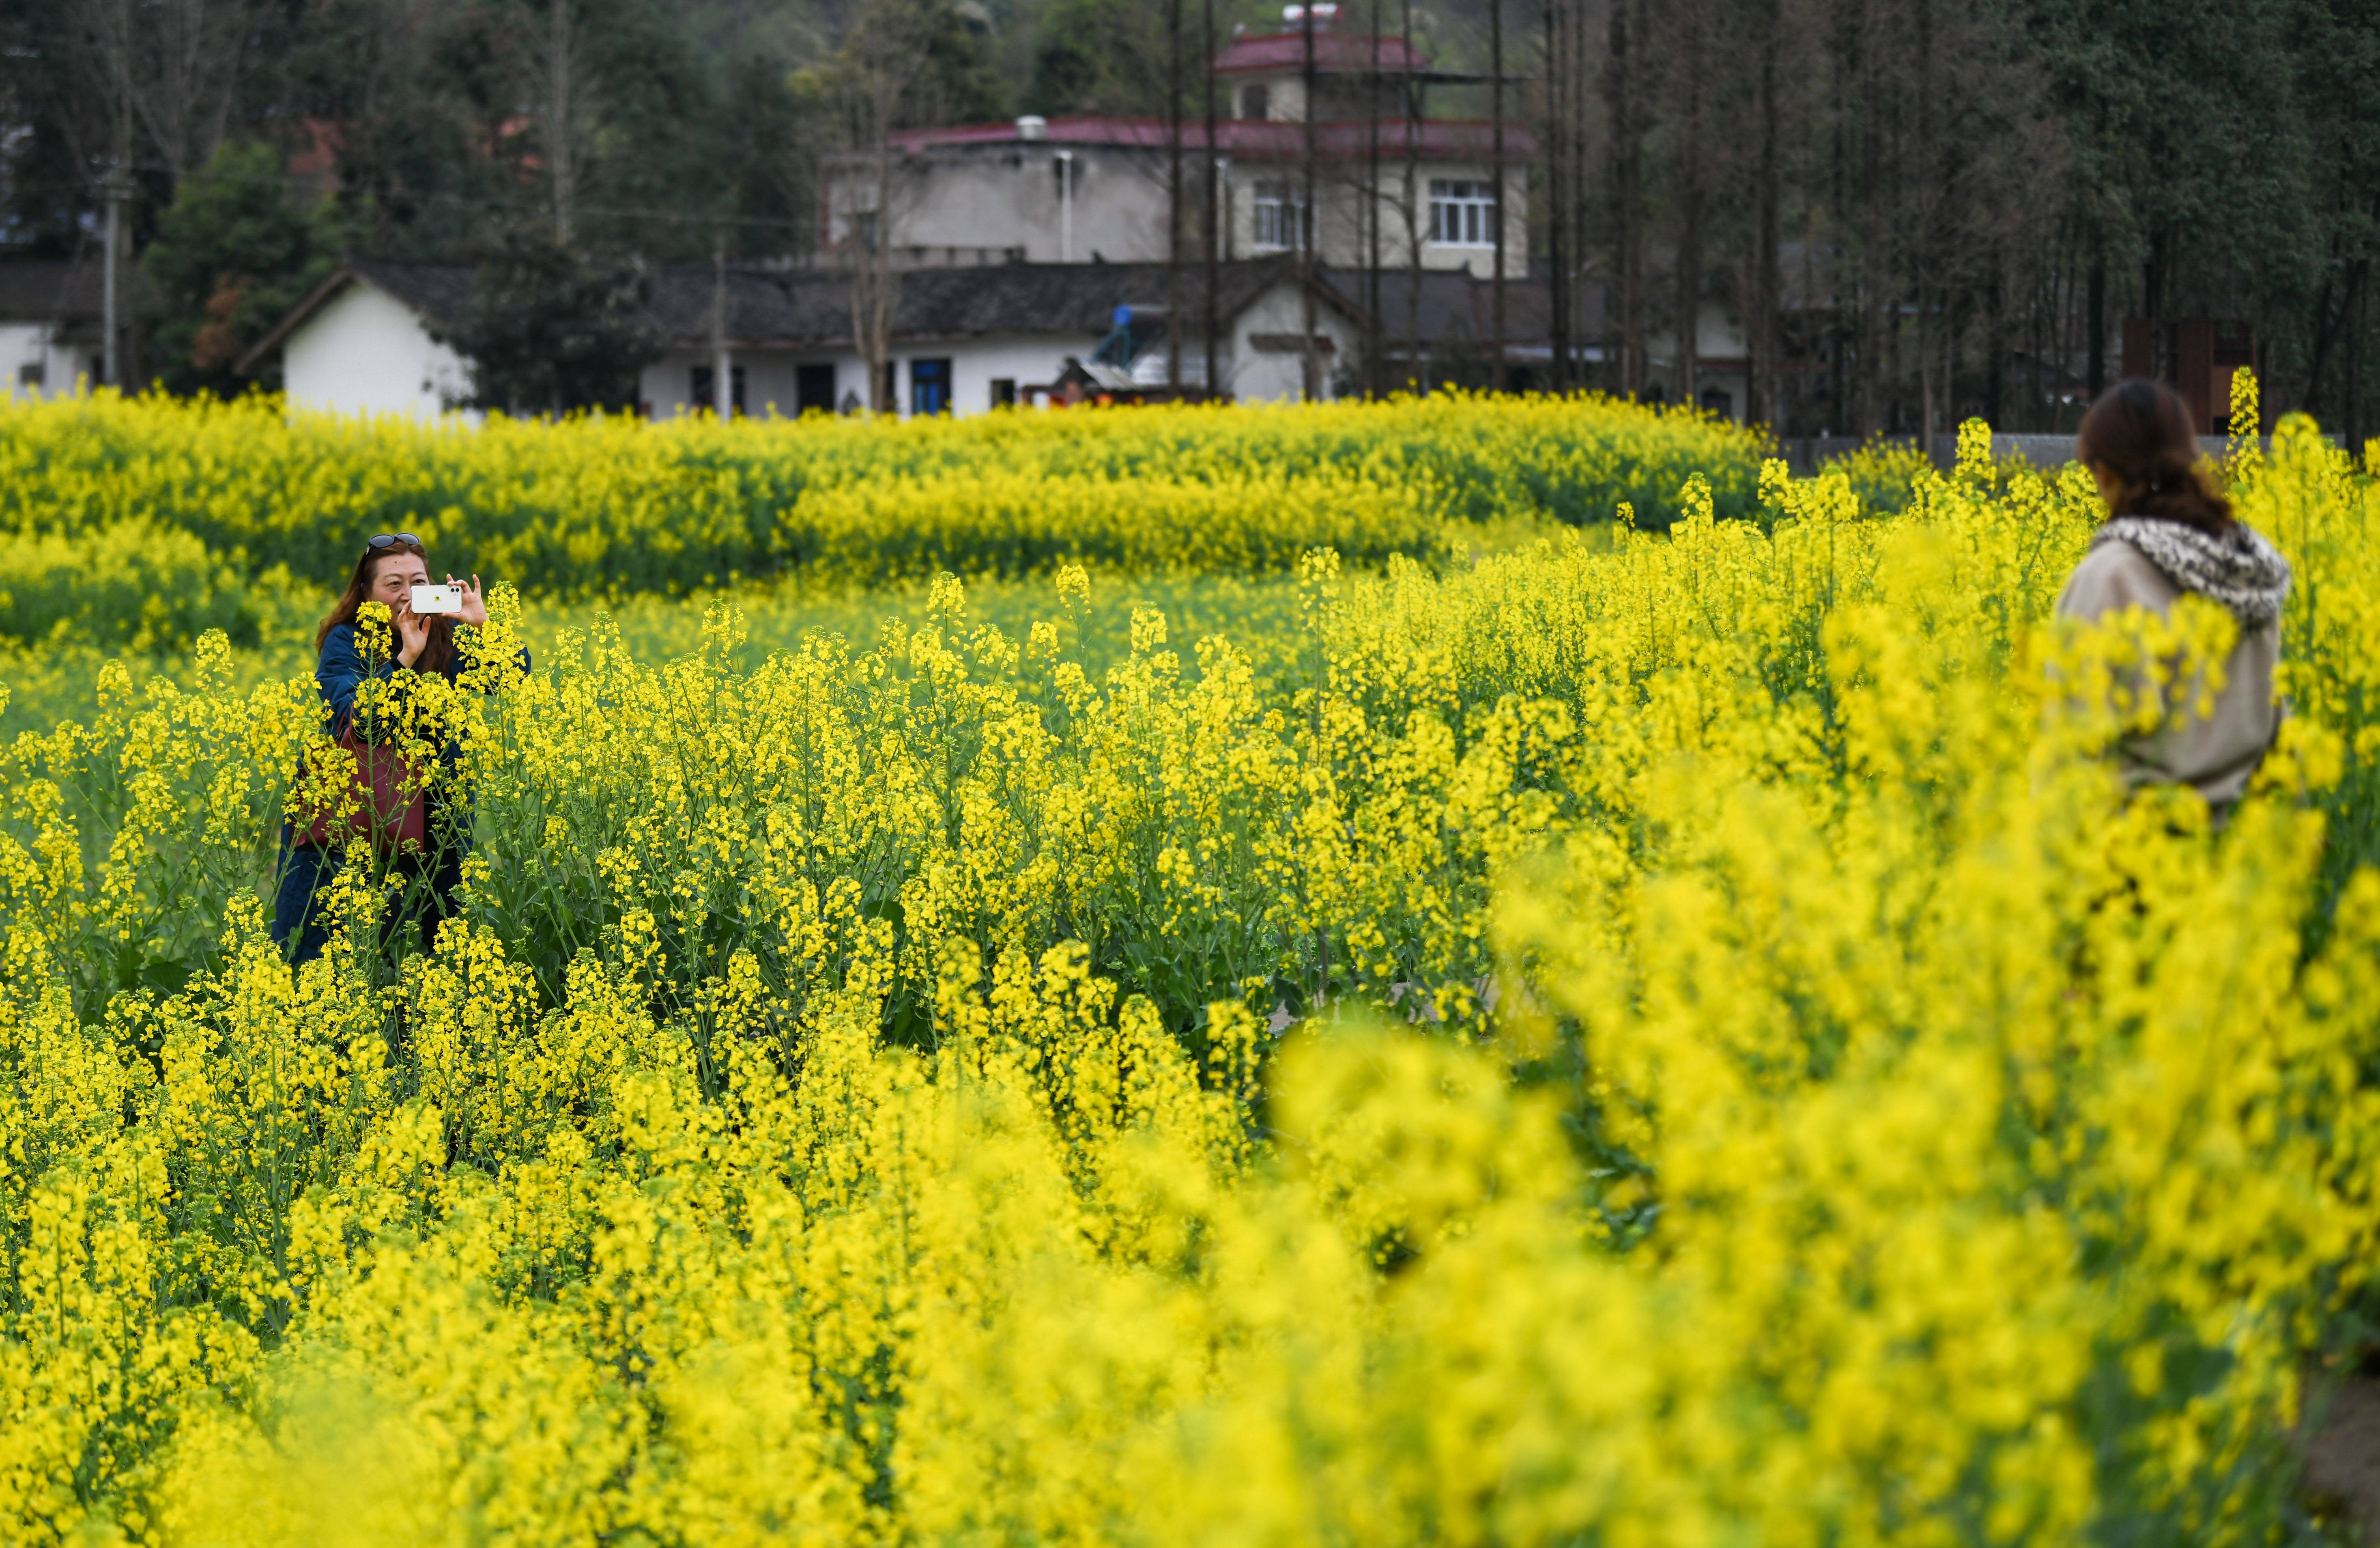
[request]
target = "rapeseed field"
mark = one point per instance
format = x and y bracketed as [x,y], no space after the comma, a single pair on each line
[610,507]
[1675,1040]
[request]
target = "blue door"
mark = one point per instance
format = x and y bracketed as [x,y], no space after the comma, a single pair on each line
[930,386]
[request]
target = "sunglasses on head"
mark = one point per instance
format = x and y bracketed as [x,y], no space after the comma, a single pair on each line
[392,540]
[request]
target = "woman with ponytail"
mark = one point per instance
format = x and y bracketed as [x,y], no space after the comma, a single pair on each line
[2168,530]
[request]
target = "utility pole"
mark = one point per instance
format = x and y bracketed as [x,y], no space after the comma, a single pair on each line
[722,394]
[111,354]
[1214,213]
[1496,111]
[1306,225]
[119,188]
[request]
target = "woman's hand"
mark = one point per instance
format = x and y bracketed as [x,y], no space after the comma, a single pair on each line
[412,633]
[475,606]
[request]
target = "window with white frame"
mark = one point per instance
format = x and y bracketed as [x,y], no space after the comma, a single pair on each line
[1461,213]
[1282,217]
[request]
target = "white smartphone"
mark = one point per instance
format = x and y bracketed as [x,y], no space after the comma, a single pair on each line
[438,599]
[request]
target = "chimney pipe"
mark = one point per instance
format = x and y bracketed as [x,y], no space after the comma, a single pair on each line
[1066,206]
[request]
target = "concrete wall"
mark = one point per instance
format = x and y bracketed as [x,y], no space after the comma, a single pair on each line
[1249,373]
[769,375]
[1007,196]
[1719,345]
[1339,192]
[664,387]
[60,368]
[367,352]
[1255,375]
[1284,97]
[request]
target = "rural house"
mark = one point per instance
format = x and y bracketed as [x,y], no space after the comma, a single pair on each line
[50,328]
[1095,188]
[368,340]
[964,339]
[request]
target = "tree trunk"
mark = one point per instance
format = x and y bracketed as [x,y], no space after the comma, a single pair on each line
[875,281]
[1306,226]
[2098,310]
[2153,303]
[1995,352]
[1761,388]
[1689,203]
[1626,236]
[2354,379]
[1500,377]
[1926,343]
[1411,104]
[1553,116]
[560,112]
[1213,229]
[1173,194]
[1579,175]
[1374,376]
[2330,325]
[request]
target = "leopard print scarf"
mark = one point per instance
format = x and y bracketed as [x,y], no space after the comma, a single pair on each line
[2238,570]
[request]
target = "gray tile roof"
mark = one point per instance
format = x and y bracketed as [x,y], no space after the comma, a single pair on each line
[441,293]
[47,290]
[811,308]
[1457,306]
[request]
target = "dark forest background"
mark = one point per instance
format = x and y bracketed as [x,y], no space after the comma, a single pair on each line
[1917,209]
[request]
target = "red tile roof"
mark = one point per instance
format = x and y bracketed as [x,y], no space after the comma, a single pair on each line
[1334,53]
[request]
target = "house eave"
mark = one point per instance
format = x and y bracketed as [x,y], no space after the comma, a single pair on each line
[312,302]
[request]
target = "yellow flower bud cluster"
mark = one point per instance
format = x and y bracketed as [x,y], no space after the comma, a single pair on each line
[1679,1041]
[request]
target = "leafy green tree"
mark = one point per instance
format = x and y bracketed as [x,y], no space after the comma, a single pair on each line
[1071,62]
[1112,56]
[945,69]
[772,194]
[234,252]
[551,330]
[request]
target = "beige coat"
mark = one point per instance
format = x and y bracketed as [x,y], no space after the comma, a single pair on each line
[2216,754]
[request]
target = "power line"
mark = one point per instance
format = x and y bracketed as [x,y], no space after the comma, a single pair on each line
[513,206]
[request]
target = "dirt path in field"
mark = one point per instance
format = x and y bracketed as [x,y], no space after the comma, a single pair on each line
[2342,1473]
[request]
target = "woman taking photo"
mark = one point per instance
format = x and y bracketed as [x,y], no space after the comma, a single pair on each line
[2168,530]
[409,644]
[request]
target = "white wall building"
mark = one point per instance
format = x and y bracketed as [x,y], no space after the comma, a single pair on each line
[49,327]
[969,339]
[1722,362]
[364,341]
[1071,189]
[965,340]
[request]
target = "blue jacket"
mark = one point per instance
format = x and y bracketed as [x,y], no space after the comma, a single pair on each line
[342,671]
